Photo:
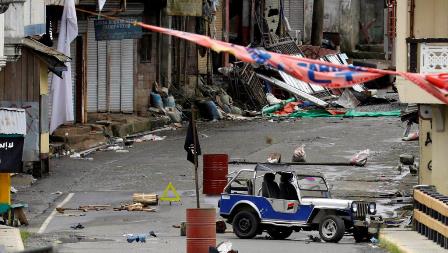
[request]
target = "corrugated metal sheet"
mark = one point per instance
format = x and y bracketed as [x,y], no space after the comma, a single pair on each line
[92,69]
[73,69]
[315,88]
[102,76]
[294,11]
[82,26]
[127,76]
[296,83]
[114,48]
[12,121]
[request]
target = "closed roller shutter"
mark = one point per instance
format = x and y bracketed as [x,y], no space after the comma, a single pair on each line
[127,76]
[114,50]
[102,76]
[92,69]
[294,10]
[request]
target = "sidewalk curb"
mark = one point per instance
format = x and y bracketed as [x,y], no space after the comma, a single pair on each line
[390,245]
[11,239]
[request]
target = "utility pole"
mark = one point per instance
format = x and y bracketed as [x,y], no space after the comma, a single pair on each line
[318,23]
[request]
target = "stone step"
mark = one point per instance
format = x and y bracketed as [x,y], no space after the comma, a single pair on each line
[72,130]
[379,48]
[366,55]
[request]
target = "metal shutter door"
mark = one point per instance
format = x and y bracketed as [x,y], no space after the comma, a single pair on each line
[294,10]
[92,69]
[114,49]
[127,76]
[73,69]
[102,76]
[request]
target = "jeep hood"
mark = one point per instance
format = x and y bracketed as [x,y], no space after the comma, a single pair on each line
[328,203]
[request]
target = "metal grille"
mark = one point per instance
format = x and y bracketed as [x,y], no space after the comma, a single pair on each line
[363,209]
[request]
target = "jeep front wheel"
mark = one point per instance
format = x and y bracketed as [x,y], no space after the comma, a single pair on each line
[279,233]
[245,225]
[331,228]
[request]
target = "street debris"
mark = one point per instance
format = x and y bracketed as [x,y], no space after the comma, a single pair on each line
[299,154]
[407,159]
[84,208]
[223,247]
[360,158]
[13,190]
[150,137]
[145,199]
[134,207]
[274,158]
[221,227]
[130,238]
[78,226]
[411,137]
[312,238]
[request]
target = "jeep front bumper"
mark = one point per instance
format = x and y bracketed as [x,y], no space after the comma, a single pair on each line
[373,223]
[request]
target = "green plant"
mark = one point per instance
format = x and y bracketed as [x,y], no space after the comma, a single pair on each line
[24,234]
[392,248]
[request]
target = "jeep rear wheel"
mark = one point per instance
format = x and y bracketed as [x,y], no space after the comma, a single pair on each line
[245,225]
[331,228]
[279,233]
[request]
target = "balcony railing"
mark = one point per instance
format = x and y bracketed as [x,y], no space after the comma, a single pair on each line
[431,214]
[433,55]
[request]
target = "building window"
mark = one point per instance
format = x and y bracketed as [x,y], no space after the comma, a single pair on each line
[146,48]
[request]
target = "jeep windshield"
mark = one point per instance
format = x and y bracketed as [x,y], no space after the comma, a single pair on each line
[312,187]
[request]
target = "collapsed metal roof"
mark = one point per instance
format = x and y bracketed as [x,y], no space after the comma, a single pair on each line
[53,58]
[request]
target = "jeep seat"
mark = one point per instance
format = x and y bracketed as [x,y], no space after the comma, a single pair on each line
[269,188]
[287,190]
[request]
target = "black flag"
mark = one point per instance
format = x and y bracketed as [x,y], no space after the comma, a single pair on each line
[189,143]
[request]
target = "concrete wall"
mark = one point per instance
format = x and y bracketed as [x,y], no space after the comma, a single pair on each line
[439,173]
[373,11]
[430,21]
[34,17]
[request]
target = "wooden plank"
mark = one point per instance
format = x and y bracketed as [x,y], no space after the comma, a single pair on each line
[36,78]
[29,76]
[431,222]
[10,90]
[25,77]
[430,202]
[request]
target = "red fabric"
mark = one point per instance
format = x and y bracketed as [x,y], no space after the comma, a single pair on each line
[288,108]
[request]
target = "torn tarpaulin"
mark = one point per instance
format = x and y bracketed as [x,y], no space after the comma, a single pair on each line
[189,145]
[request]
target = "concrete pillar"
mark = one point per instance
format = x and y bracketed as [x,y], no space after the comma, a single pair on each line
[349,24]
[439,174]
[424,174]
[165,51]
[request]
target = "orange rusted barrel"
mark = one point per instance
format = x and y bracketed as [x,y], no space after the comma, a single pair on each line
[215,170]
[201,229]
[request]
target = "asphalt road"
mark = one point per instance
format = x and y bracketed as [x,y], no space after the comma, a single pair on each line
[111,178]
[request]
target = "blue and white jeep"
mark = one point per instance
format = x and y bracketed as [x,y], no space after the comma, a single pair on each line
[278,200]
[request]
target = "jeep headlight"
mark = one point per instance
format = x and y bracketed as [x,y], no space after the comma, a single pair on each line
[372,208]
[354,207]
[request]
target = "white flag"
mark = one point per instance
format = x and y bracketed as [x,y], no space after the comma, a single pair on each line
[61,90]
[101,4]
